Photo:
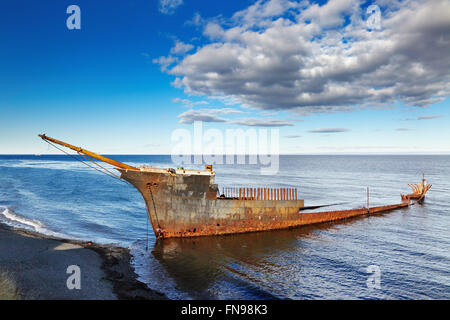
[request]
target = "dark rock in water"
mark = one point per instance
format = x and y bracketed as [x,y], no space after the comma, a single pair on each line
[117,266]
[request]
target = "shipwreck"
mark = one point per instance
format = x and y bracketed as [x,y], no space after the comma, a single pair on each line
[188,203]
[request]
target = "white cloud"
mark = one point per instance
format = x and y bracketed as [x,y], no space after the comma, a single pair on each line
[169,6]
[190,116]
[213,30]
[330,14]
[196,20]
[301,57]
[211,115]
[181,48]
[254,122]
[164,62]
[260,11]
[329,130]
[429,117]
[292,136]
[222,111]
[189,103]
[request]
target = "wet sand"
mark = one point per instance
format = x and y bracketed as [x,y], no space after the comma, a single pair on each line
[37,267]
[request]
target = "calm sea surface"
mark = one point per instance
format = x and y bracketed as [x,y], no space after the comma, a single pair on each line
[59,196]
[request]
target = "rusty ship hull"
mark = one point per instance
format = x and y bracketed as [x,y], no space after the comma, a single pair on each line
[187,203]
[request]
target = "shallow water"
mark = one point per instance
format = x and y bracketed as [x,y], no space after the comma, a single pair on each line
[58,195]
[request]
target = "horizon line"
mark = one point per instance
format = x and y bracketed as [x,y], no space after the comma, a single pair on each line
[236,154]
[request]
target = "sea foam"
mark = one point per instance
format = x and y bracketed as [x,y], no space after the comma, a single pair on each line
[13,219]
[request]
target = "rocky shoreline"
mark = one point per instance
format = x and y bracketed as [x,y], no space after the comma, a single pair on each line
[37,264]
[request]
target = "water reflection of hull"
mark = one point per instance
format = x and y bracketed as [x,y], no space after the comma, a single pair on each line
[240,264]
[199,265]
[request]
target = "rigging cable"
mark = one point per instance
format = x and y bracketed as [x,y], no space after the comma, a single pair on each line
[99,165]
[110,174]
[87,164]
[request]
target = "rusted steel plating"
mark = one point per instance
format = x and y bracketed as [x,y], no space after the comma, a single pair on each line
[251,193]
[419,190]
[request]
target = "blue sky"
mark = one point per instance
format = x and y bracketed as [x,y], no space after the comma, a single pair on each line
[312,70]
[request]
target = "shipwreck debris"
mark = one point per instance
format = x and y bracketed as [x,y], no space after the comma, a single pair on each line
[187,203]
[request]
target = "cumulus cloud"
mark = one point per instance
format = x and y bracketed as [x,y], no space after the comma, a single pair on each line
[181,48]
[169,6]
[260,11]
[329,130]
[164,62]
[305,58]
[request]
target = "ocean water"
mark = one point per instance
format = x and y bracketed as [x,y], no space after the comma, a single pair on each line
[57,195]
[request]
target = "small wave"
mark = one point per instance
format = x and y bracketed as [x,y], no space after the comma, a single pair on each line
[15,220]
[54,165]
[10,215]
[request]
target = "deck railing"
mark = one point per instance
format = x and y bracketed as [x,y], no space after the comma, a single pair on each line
[251,193]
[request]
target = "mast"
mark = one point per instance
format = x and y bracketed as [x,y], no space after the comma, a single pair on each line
[89,153]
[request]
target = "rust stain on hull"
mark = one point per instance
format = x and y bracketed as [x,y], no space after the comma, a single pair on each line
[419,191]
[247,224]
